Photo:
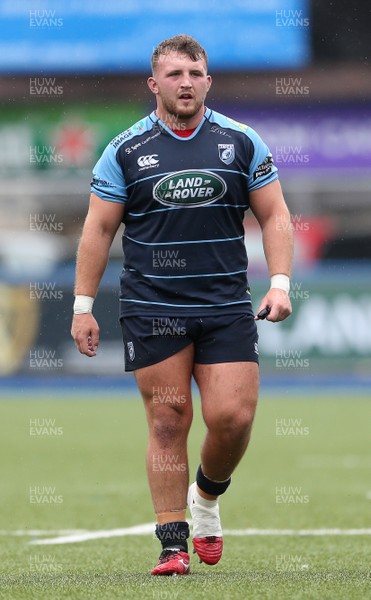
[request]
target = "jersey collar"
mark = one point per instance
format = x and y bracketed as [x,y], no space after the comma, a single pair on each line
[156,119]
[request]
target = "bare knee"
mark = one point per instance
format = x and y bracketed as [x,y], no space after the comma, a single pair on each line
[169,424]
[230,423]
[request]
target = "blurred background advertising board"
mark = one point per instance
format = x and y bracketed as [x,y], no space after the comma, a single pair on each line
[119,37]
[73,76]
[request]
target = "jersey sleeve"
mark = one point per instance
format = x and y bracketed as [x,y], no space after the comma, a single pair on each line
[262,169]
[108,179]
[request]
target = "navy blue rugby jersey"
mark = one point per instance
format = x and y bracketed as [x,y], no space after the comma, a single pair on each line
[185,199]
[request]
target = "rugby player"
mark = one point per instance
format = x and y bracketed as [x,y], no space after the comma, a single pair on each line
[181,180]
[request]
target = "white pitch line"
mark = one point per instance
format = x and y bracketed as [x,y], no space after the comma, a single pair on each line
[32,532]
[149,528]
[301,532]
[145,529]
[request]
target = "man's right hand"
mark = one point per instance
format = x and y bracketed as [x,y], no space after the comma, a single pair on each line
[85,332]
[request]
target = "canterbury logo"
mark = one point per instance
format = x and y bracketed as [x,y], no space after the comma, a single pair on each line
[148,161]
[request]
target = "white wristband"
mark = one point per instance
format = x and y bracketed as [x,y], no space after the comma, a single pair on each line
[83,305]
[280,281]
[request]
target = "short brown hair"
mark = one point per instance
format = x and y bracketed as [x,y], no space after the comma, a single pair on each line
[182,43]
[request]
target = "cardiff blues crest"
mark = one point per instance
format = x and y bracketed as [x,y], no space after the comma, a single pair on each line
[226,153]
[131,350]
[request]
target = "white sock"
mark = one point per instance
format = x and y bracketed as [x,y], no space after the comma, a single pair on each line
[203,501]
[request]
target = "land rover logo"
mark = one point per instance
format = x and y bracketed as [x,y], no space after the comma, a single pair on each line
[189,188]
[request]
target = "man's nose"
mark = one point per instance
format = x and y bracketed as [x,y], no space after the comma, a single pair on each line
[186,81]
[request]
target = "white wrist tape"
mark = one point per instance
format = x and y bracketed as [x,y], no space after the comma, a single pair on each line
[280,281]
[83,305]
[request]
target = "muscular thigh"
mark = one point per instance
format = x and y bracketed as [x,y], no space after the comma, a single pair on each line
[167,384]
[228,389]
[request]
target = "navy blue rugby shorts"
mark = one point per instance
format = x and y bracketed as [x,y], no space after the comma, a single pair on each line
[217,339]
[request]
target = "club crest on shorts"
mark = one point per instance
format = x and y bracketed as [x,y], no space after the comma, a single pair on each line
[226,153]
[131,351]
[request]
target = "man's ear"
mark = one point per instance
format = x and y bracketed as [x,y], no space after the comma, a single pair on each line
[152,84]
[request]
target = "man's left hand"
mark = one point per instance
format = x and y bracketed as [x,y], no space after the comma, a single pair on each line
[279,303]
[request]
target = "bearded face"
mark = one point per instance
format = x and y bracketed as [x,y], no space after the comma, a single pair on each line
[181,85]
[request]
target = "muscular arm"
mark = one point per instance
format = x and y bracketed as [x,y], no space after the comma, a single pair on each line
[269,207]
[101,224]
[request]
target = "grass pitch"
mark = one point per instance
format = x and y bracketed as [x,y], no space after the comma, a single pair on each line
[77,463]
